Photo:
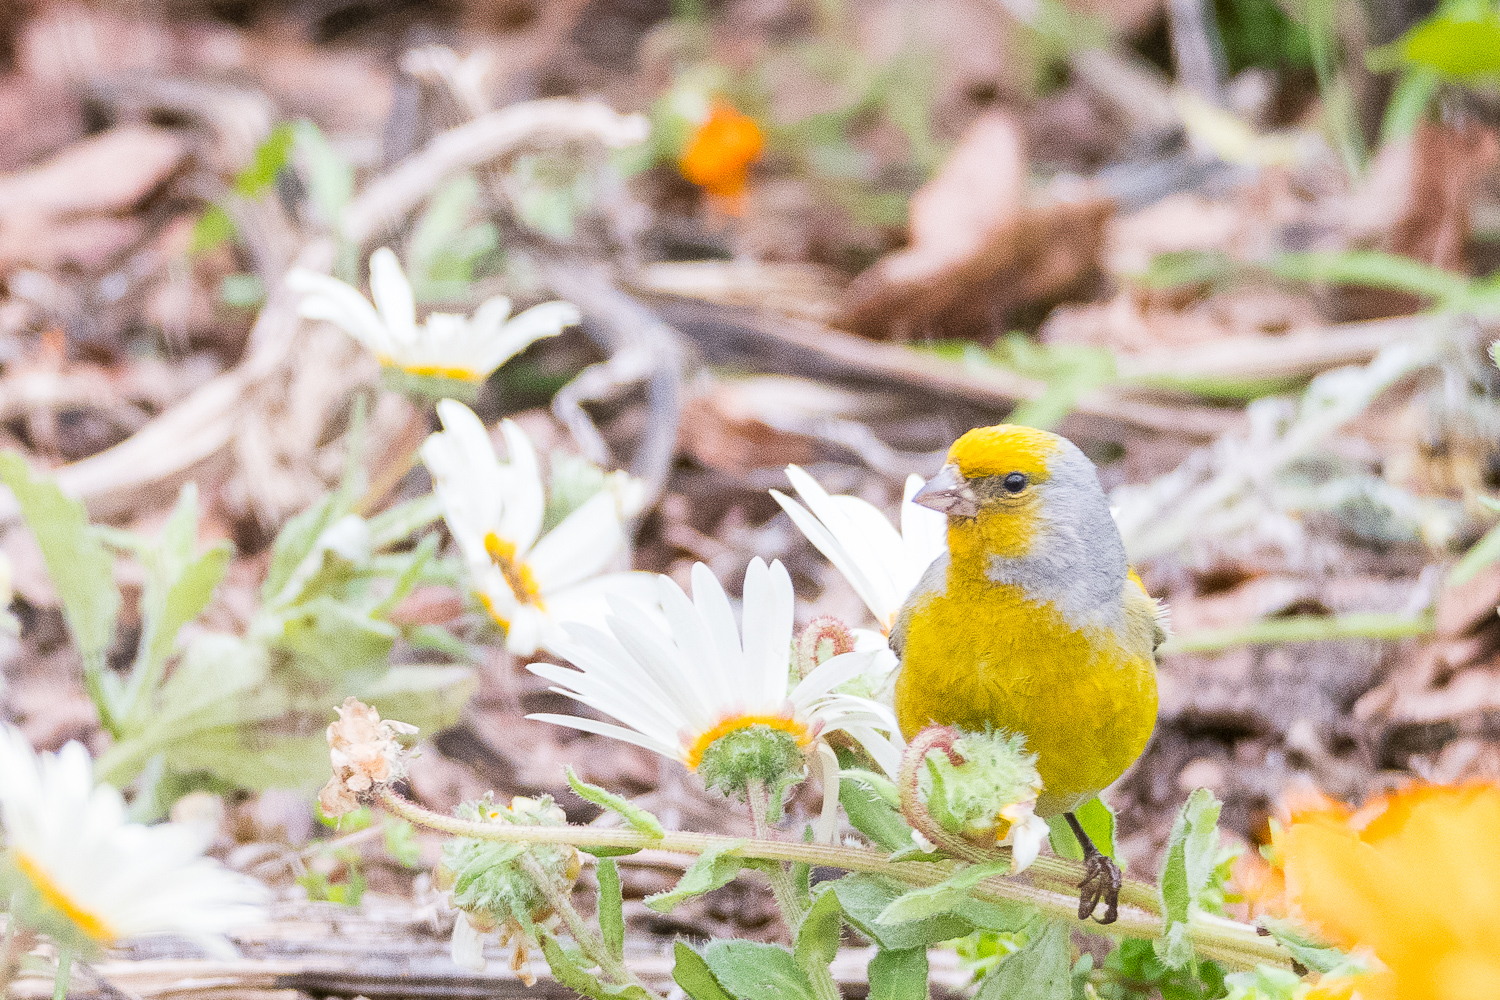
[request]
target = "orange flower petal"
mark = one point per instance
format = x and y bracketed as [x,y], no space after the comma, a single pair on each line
[719,156]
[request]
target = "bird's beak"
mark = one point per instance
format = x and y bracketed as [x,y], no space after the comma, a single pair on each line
[948,493]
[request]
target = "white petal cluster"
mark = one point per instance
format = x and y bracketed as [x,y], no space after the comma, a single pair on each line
[447,345]
[678,679]
[529,582]
[90,867]
[881,564]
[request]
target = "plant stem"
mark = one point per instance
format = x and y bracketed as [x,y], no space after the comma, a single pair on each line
[1301,628]
[589,942]
[784,889]
[1236,944]
[64,969]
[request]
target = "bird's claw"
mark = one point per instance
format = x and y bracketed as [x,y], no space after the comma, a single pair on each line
[1101,882]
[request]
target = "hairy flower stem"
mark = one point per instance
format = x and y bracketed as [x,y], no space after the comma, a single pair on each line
[1238,945]
[784,888]
[588,942]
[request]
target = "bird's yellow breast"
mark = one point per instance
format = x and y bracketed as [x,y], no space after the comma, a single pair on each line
[977,654]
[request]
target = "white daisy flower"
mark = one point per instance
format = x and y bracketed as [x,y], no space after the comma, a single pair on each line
[882,565]
[447,345]
[89,877]
[528,584]
[682,680]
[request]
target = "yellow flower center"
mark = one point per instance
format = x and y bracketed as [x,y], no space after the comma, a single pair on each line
[90,923]
[693,754]
[517,574]
[432,371]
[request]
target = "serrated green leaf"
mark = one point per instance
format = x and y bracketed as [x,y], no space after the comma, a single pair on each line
[1097,820]
[80,567]
[694,976]
[611,907]
[748,970]
[639,819]
[1040,971]
[1192,856]
[870,813]
[933,900]
[713,869]
[566,972]
[898,975]
[818,937]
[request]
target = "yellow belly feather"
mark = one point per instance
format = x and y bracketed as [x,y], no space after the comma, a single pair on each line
[980,654]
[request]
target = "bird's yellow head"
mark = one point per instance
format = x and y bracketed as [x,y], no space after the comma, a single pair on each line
[1009,489]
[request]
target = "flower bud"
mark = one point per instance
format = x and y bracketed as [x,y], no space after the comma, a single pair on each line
[985,791]
[824,638]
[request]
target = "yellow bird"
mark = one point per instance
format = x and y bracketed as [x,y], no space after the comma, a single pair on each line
[1033,622]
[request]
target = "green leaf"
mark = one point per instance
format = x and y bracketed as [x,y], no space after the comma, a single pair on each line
[748,970]
[400,839]
[694,976]
[1040,971]
[329,639]
[933,900]
[611,907]
[1372,269]
[870,812]
[428,697]
[1188,267]
[329,177]
[1192,856]
[1455,46]
[865,897]
[818,937]
[80,567]
[1097,820]
[1263,983]
[213,229]
[1316,956]
[639,819]
[266,162]
[566,972]
[714,868]
[898,975]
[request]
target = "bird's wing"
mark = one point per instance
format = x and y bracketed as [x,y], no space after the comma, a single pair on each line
[1141,607]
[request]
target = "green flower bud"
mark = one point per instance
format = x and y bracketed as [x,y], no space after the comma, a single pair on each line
[986,792]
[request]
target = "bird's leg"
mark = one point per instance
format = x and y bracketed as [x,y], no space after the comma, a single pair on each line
[1101,878]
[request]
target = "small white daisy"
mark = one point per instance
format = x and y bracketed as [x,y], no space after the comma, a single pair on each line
[882,565]
[90,877]
[680,681]
[528,584]
[447,345]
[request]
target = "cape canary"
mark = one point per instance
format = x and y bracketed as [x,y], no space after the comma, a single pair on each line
[1032,622]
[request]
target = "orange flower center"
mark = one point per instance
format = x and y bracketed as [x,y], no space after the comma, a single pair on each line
[431,371]
[721,151]
[517,574]
[693,753]
[90,923]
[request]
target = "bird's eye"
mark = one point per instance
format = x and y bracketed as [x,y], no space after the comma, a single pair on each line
[1014,483]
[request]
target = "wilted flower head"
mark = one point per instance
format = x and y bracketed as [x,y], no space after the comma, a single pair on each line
[491,892]
[530,585]
[364,752]
[1410,877]
[80,872]
[718,156]
[692,685]
[446,346]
